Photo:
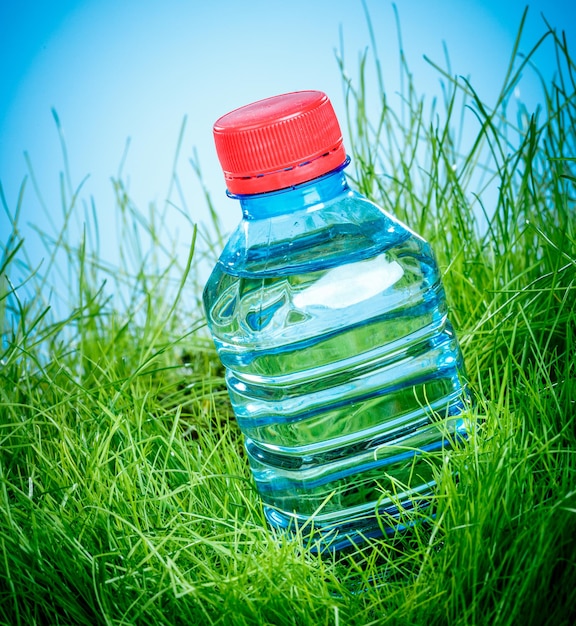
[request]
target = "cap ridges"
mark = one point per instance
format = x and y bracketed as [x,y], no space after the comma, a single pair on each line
[278,142]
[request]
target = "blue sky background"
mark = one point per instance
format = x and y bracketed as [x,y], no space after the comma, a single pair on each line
[118,69]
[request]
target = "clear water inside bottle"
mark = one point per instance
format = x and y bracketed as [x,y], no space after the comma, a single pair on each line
[343,370]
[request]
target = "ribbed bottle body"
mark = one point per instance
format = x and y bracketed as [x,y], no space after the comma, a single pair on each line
[342,366]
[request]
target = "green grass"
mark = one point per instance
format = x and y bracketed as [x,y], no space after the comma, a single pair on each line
[125,497]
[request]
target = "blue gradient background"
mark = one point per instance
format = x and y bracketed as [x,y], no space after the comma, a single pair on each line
[135,68]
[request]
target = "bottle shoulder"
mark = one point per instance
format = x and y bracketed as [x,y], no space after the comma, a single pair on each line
[348,227]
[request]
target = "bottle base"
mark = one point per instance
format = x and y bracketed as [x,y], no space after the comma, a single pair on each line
[340,535]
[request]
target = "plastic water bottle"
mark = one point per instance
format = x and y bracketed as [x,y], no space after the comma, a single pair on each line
[330,318]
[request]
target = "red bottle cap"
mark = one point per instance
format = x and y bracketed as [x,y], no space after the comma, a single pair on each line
[279,142]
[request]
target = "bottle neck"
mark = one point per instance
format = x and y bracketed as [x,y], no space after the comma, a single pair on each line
[313,192]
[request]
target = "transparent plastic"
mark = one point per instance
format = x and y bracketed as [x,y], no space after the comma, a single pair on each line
[343,370]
